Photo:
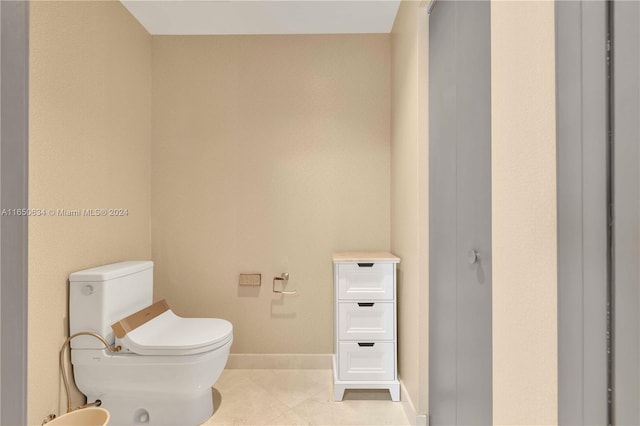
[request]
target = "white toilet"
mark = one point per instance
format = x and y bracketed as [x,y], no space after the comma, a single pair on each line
[167,366]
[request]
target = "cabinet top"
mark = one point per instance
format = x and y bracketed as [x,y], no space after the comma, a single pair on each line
[363,256]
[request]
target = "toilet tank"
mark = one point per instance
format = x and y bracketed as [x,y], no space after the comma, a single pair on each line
[99,297]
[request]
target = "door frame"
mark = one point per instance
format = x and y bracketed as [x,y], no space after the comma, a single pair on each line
[582,197]
[14,113]
[625,371]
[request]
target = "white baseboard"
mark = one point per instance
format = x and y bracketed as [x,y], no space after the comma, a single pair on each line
[410,410]
[279,361]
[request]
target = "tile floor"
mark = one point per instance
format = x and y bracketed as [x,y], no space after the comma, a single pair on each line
[297,397]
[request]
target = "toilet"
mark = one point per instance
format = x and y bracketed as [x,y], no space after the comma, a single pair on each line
[168,364]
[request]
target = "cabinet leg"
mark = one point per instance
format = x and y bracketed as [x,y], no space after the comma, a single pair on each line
[394,390]
[338,392]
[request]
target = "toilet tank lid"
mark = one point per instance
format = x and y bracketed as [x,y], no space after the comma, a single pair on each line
[111,271]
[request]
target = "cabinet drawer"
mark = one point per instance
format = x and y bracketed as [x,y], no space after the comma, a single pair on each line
[365,321]
[366,361]
[364,281]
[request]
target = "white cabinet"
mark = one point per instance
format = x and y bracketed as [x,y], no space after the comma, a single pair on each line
[365,323]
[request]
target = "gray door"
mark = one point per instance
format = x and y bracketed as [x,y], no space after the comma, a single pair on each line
[582,128]
[598,120]
[460,363]
[14,94]
[626,201]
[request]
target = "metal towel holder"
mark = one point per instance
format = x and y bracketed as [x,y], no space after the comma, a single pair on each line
[285,278]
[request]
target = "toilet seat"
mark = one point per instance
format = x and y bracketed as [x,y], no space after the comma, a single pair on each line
[169,334]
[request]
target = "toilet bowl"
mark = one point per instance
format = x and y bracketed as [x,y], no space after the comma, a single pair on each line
[166,368]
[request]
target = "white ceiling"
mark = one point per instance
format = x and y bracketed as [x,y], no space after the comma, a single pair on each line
[264,16]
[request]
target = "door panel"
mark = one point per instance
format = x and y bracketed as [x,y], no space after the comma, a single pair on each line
[442,217]
[460,369]
[581,123]
[626,201]
[14,72]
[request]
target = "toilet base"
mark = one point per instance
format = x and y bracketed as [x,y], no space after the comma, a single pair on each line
[169,410]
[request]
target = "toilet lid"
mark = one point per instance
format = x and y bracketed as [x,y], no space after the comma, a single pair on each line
[169,334]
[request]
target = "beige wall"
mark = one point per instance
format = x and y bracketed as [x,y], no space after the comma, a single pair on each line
[409,195]
[524,213]
[89,147]
[269,153]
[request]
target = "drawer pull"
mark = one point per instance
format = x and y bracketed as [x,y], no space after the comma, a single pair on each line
[366,304]
[369,345]
[365,265]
